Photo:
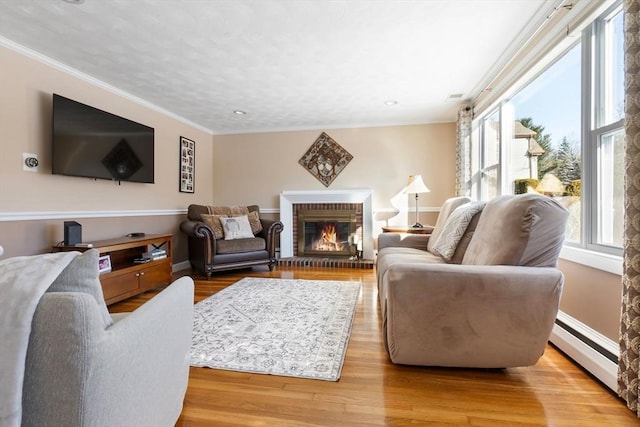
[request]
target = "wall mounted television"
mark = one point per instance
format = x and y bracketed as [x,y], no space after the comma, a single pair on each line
[92,143]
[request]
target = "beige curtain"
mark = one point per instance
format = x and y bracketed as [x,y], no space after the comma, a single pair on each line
[628,365]
[463,151]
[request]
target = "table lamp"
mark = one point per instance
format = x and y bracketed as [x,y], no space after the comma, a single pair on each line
[416,185]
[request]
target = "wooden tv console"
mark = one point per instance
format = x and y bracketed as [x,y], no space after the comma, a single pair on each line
[127,278]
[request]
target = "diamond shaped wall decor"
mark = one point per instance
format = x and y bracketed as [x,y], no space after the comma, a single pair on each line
[325,159]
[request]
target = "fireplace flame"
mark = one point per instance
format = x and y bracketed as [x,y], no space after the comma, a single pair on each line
[328,240]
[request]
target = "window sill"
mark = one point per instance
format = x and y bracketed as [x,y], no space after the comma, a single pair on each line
[598,260]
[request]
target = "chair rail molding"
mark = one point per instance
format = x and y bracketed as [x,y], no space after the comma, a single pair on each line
[37,216]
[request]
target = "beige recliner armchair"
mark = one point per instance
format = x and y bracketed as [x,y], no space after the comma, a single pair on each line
[491,302]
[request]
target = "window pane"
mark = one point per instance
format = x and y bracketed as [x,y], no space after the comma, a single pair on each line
[611,188]
[547,135]
[475,161]
[491,156]
[613,104]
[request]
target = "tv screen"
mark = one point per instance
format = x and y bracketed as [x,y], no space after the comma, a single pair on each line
[92,143]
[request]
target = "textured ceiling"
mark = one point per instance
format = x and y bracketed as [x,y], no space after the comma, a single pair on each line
[290,65]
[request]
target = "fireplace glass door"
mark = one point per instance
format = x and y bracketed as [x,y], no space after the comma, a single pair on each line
[326,232]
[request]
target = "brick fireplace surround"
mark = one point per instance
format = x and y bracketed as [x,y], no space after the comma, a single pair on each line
[292,201]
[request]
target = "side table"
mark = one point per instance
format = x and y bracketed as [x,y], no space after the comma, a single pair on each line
[427,229]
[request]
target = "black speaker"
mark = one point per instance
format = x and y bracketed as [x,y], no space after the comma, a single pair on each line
[72,233]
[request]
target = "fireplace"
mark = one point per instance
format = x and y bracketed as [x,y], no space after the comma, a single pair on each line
[326,232]
[292,202]
[326,229]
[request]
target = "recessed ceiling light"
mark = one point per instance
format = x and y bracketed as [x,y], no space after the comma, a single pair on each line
[390,102]
[74,1]
[239,112]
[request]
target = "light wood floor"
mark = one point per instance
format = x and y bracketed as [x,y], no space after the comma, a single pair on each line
[373,391]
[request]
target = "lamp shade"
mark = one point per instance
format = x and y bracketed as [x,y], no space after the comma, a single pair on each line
[550,184]
[416,185]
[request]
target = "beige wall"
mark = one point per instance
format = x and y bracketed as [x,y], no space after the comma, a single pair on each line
[593,297]
[257,167]
[37,236]
[235,169]
[26,88]
[230,169]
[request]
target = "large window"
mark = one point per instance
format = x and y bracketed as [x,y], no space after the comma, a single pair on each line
[610,188]
[490,157]
[605,132]
[547,115]
[562,134]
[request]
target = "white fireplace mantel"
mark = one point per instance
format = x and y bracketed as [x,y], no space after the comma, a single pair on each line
[290,198]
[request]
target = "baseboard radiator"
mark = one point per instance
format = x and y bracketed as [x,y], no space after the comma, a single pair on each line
[587,347]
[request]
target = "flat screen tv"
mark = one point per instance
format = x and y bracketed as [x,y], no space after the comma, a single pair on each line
[92,143]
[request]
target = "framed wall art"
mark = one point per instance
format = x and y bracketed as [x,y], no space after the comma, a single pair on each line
[187,165]
[325,159]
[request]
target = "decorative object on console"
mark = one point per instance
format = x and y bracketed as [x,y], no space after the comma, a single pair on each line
[72,233]
[325,159]
[104,263]
[187,165]
[416,186]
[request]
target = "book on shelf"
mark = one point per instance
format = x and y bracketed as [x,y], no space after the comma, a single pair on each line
[143,260]
[151,255]
[155,253]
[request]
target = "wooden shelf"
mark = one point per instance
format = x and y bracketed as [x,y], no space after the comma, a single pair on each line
[127,278]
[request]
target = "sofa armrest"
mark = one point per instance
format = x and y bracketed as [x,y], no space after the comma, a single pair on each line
[270,231]
[416,241]
[197,229]
[135,372]
[202,242]
[493,316]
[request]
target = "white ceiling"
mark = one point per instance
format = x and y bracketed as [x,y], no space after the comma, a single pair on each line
[290,65]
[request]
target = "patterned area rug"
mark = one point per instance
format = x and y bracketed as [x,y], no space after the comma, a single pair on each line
[295,328]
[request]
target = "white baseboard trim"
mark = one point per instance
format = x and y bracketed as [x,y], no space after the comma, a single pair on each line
[180,266]
[585,355]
